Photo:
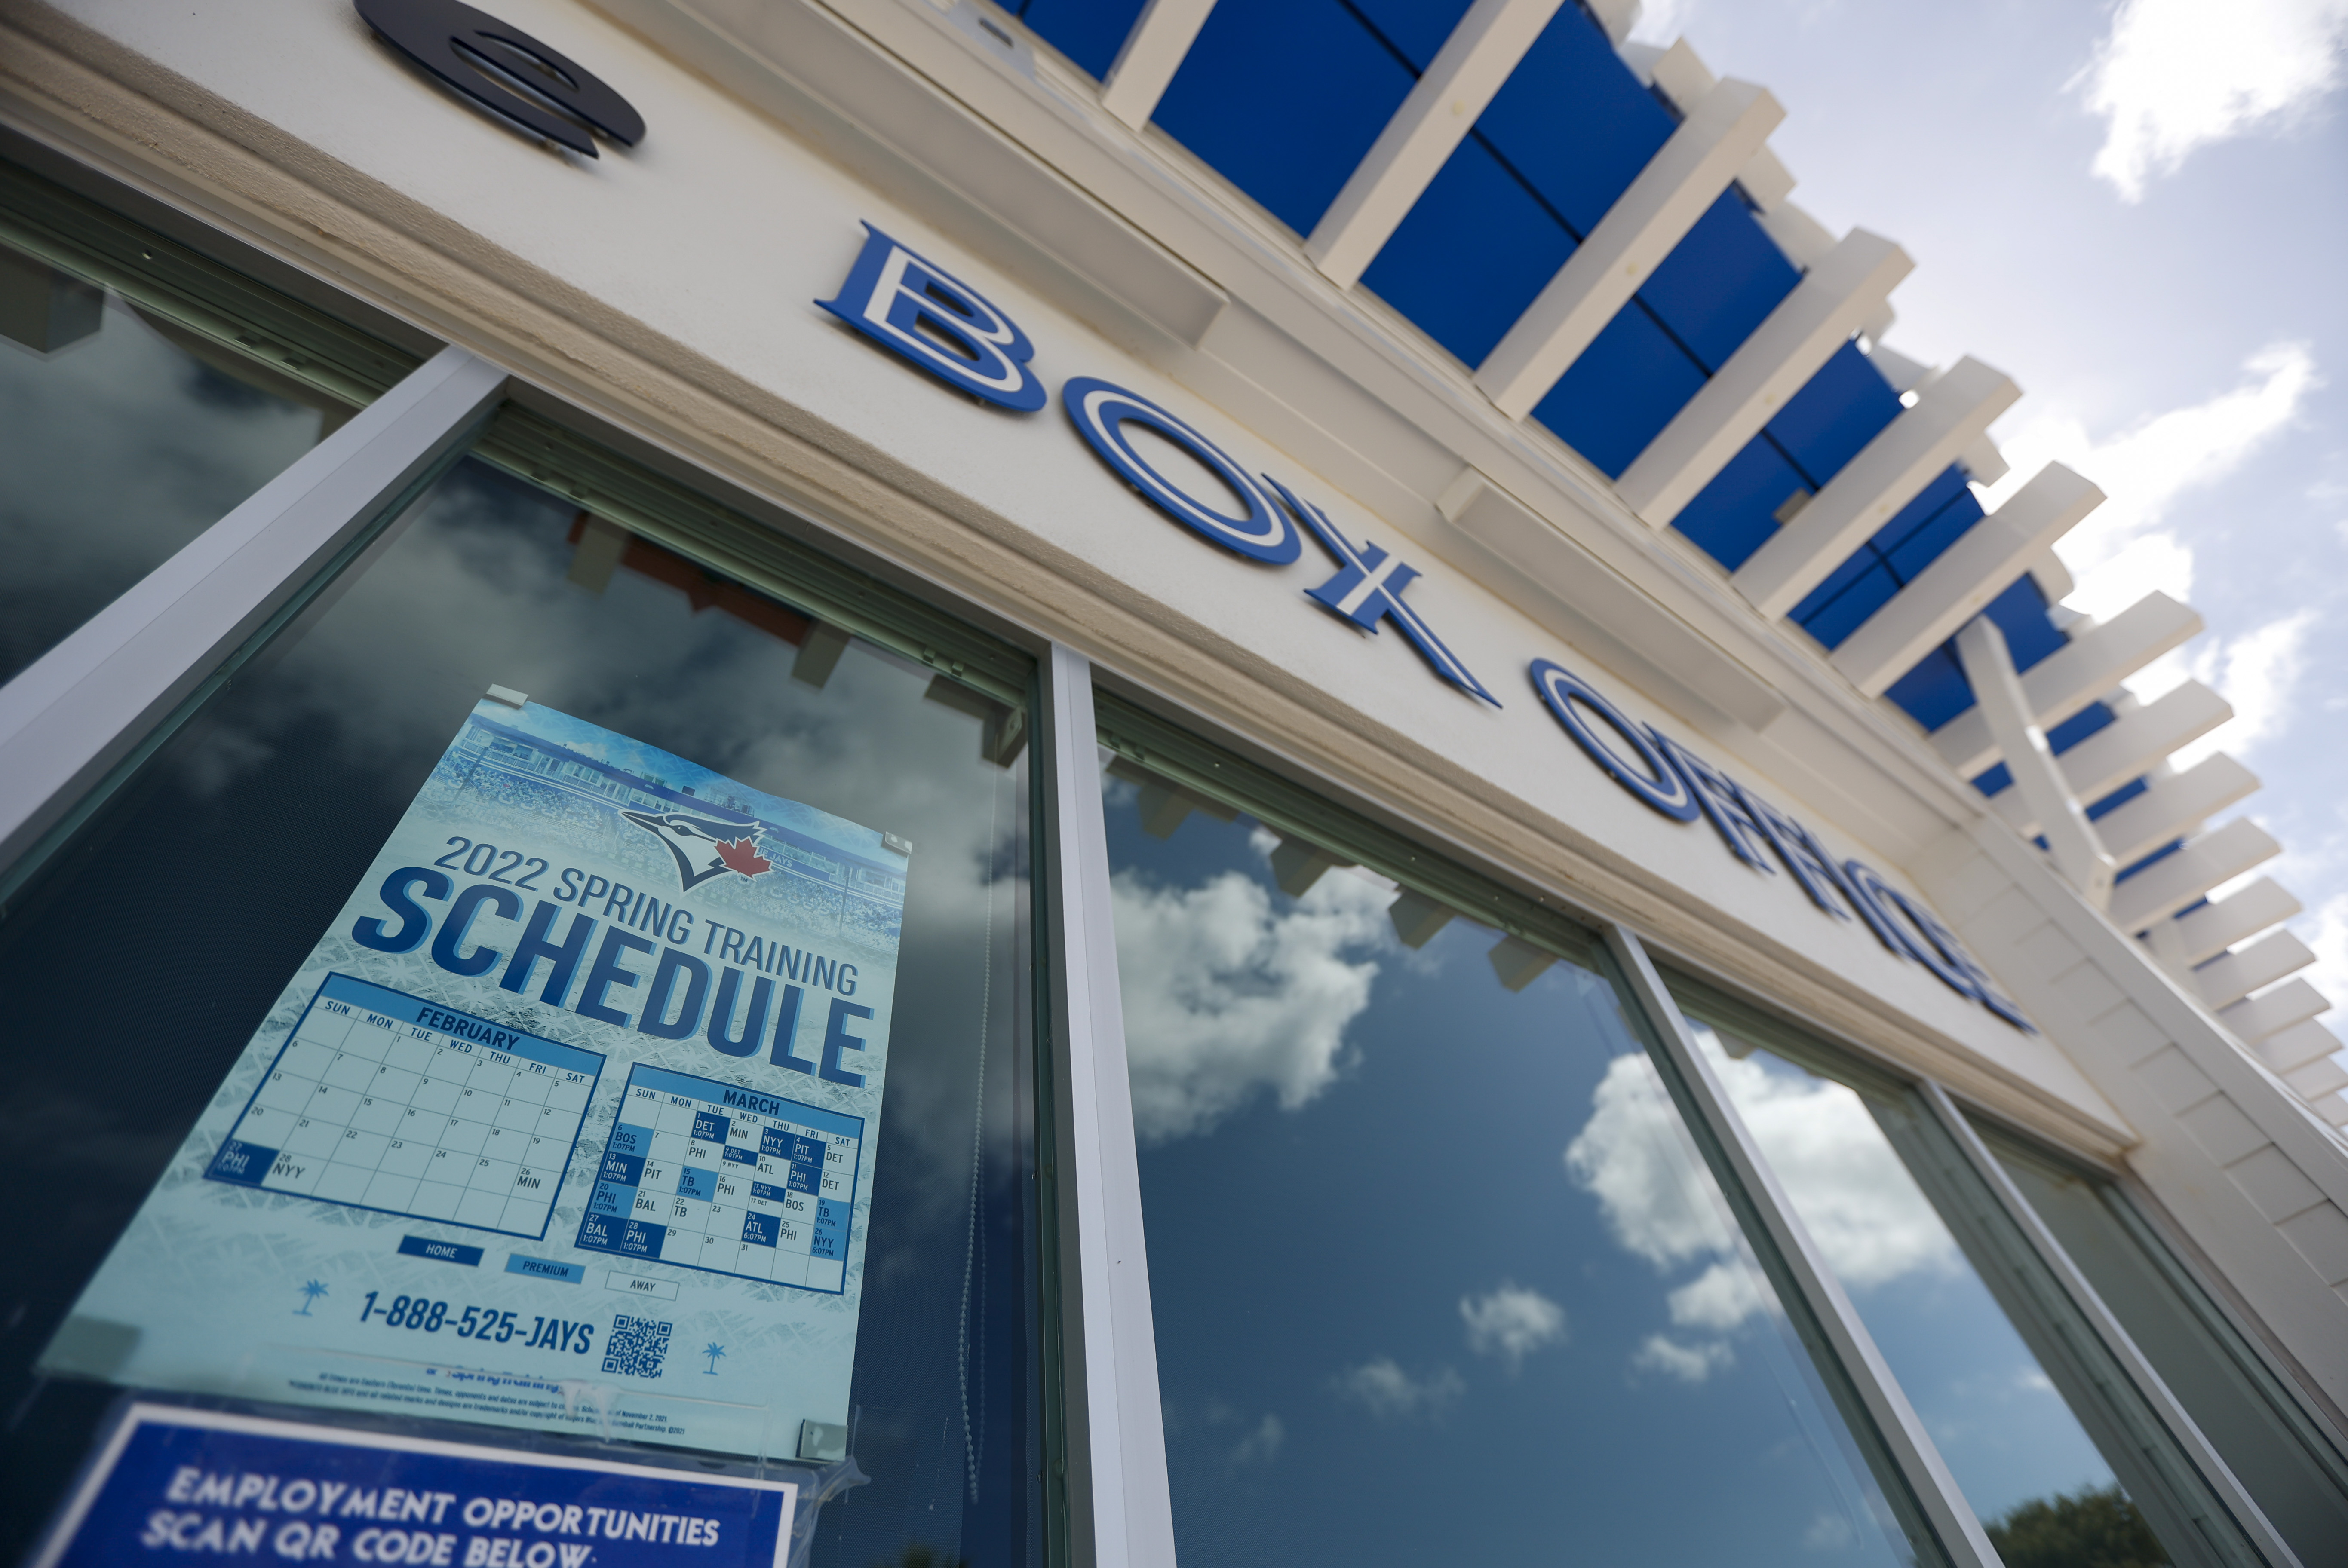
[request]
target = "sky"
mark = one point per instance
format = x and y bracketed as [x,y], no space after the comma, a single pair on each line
[2136,210]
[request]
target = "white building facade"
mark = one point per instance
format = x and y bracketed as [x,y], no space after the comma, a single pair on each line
[1483,887]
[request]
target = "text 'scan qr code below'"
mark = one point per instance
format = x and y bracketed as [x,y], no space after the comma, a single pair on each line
[637,1347]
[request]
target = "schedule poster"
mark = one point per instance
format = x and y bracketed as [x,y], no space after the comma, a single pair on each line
[568,1121]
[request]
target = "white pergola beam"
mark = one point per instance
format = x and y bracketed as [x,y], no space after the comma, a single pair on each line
[1684,179]
[2071,838]
[1151,54]
[1970,573]
[2317,1081]
[2067,680]
[1808,324]
[2174,806]
[1951,413]
[2127,747]
[2132,743]
[2267,1015]
[1424,132]
[1684,79]
[2243,913]
[2159,891]
[2231,977]
[2287,1050]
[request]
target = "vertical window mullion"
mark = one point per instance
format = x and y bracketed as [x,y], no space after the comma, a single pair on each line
[80,710]
[1123,1511]
[1895,1423]
[2180,1427]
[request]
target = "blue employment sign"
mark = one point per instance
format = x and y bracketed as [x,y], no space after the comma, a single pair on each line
[174,1483]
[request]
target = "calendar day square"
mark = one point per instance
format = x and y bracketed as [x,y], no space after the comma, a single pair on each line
[517,1115]
[481,1209]
[406,1157]
[459,1136]
[383,1116]
[493,1175]
[342,1183]
[437,1095]
[307,1059]
[312,1136]
[490,1078]
[388,1191]
[360,1147]
[437,1201]
[283,1091]
[297,1174]
[355,1073]
[333,1104]
[395,1083]
[413,1054]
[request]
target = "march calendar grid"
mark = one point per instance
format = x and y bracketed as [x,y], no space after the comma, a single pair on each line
[713,1176]
[381,1101]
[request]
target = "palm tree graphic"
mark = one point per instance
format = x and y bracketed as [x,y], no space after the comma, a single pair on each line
[311,1290]
[716,1352]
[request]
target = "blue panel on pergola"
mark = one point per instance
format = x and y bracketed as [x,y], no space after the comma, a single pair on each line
[1414,29]
[1839,411]
[1622,392]
[1473,254]
[1720,282]
[1284,98]
[1573,120]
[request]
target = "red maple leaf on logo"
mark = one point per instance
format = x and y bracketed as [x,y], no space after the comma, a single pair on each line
[743,856]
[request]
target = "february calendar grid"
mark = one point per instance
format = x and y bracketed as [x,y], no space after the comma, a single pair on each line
[712,1176]
[381,1101]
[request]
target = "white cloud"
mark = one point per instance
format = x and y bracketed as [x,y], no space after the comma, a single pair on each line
[1226,998]
[2254,673]
[1856,1200]
[2150,563]
[1391,1394]
[1688,1363]
[1656,1200]
[2175,75]
[1262,1445]
[1829,1532]
[1511,1322]
[1719,1298]
[2119,552]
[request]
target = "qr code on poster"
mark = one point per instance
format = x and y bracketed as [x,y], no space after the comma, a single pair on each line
[637,1346]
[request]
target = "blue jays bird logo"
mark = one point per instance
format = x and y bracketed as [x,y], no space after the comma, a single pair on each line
[704,846]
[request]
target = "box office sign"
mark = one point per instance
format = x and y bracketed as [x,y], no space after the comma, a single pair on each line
[172,1484]
[932,320]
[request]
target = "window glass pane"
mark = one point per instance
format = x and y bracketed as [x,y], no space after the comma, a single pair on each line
[2292,1468]
[2021,1457]
[123,436]
[143,958]
[1438,1274]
